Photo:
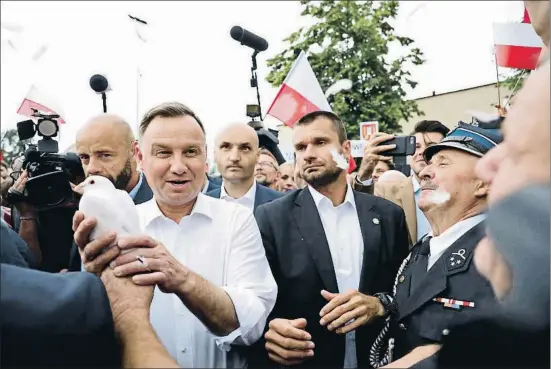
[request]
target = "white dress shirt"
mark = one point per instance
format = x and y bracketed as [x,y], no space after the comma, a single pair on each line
[344,236]
[221,242]
[439,244]
[246,200]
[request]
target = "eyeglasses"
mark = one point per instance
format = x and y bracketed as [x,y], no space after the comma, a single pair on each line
[266,164]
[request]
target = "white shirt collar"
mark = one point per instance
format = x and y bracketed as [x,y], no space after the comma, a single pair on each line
[416,185]
[153,212]
[249,196]
[320,199]
[439,244]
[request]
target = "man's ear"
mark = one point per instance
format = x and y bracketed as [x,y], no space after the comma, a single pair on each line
[138,153]
[346,149]
[482,189]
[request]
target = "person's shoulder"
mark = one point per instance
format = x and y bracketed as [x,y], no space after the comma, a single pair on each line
[268,192]
[379,203]
[284,200]
[215,193]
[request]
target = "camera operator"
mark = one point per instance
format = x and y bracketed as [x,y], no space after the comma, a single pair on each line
[27,219]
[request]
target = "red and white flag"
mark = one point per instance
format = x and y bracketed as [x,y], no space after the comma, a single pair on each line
[299,94]
[517,45]
[41,102]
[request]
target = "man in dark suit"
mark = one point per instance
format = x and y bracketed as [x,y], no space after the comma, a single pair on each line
[334,253]
[236,152]
[438,287]
[107,147]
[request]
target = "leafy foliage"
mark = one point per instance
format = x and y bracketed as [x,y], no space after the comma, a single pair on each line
[351,40]
[11,146]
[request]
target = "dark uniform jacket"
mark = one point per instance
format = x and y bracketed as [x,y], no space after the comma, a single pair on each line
[424,316]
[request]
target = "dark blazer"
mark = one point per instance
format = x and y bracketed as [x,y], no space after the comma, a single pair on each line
[420,320]
[216,181]
[263,195]
[61,320]
[213,186]
[144,194]
[300,259]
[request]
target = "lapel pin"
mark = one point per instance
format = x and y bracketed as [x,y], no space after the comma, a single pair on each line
[375,220]
[402,278]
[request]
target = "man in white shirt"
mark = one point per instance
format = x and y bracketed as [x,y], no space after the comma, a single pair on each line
[236,152]
[438,286]
[331,250]
[214,286]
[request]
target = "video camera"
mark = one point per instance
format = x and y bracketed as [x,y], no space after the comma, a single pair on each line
[267,138]
[50,173]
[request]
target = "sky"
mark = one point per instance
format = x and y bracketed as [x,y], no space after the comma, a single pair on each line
[190,57]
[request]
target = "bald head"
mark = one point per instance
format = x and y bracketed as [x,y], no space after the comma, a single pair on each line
[107,147]
[235,152]
[111,123]
[235,131]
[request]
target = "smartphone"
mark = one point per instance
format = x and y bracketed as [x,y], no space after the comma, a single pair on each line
[405,145]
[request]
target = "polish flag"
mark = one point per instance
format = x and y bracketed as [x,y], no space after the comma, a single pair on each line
[38,100]
[517,45]
[299,95]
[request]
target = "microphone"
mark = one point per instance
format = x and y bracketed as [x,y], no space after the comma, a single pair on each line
[99,83]
[248,39]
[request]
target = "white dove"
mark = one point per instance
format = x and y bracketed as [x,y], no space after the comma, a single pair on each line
[113,209]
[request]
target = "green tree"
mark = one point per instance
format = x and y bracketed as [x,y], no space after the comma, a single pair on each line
[11,146]
[354,38]
[515,81]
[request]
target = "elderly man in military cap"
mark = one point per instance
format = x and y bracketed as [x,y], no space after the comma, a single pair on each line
[438,286]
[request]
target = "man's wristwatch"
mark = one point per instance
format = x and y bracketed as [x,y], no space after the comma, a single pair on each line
[388,303]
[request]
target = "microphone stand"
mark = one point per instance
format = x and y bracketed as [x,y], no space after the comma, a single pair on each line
[104,98]
[254,81]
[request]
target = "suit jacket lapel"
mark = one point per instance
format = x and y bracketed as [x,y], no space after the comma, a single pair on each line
[436,279]
[371,234]
[309,223]
[407,198]
[258,195]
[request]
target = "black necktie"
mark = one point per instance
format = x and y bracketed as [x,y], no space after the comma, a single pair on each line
[419,265]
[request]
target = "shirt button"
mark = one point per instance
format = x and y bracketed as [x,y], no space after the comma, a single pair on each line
[445,332]
[402,326]
[184,350]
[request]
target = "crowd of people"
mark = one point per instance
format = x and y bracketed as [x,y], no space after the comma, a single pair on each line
[299,264]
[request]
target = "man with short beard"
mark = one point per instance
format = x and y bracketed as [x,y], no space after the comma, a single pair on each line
[331,250]
[107,147]
[266,171]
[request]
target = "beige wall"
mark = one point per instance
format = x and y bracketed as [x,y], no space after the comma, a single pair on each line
[450,108]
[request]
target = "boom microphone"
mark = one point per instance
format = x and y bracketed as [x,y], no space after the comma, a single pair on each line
[99,83]
[248,39]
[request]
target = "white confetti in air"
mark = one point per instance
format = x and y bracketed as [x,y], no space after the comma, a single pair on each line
[339,159]
[439,197]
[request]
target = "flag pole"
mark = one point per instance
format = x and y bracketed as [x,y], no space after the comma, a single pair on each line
[497,79]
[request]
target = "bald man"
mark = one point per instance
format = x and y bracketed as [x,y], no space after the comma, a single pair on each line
[236,151]
[107,147]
